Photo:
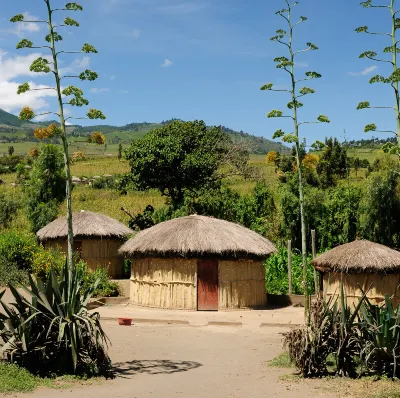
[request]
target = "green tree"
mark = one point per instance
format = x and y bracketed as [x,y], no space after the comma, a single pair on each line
[8,209]
[356,165]
[332,163]
[70,95]
[394,78]
[177,158]
[380,209]
[10,150]
[45,189]
[287,63]
[119,151]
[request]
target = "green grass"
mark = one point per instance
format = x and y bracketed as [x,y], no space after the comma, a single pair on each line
[15,379]
[281,361]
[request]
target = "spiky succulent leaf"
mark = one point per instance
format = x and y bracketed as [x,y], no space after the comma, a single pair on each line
[363,105]
[275,113]
[267,86]
[370,127]
[23,88]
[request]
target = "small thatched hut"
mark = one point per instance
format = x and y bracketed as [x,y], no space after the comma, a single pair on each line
[97,239]
[361,263]
[198,263]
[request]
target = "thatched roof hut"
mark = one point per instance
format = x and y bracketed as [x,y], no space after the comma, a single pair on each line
[198,262]
[361,263]
[97,238]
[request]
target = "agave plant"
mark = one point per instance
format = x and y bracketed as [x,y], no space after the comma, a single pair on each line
[380,328]
[48,328]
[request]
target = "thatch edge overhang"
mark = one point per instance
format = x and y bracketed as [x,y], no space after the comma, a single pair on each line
[86,225]
[359,257]
[198,237]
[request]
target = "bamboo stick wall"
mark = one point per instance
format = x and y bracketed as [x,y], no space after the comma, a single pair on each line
[241,284]
[172,283]
[97,253]
[164,283]
[381,285]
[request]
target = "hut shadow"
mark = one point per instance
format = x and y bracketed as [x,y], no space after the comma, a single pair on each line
[153,367]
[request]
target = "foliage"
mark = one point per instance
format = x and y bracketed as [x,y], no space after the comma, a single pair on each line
[333,163]
[8,164]
[104,183]
[276,273]
[11,274]
[8,209]
[272,157]
[11,150]
[45,189]
[15,379]
[17,249]
[380,209]
[97,138]
[177,158]
[49,329]
[142,220]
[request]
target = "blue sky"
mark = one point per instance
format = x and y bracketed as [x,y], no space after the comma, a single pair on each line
[207,59]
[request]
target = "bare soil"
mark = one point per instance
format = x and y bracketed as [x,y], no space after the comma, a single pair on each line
[192,361]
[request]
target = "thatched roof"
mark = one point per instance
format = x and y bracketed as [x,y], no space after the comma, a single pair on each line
[360,256]
[85,224]
[198,236]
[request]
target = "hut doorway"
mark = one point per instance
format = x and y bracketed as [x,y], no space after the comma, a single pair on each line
[207,285]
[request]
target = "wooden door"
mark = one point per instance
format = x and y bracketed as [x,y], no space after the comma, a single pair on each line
[207,285]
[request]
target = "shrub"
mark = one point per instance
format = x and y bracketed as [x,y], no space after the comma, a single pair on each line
[45,260]
[276,273]
[11,274]
[17,249]
[8,209]
[104,183]
[49,329]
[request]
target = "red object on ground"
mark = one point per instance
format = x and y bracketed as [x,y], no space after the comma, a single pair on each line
[125,321]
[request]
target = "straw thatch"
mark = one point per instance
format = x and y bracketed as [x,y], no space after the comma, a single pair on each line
[360,256]
[85,224]
[198,236]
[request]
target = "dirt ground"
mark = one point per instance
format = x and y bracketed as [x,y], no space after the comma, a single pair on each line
[191,361]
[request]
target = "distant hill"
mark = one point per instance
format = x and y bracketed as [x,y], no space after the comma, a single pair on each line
[11,127]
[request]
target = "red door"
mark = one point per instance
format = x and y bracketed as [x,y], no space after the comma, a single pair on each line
[207,285]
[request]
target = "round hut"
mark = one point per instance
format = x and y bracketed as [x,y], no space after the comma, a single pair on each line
[360,263]
[198,263]
[97,239]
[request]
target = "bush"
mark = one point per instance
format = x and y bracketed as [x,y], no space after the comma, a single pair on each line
[276,273]
[17,250]
[11,274]
[104,183]
[50,331]
[8,209]
[44,260]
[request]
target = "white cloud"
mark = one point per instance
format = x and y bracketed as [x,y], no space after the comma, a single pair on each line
[96,90]
[78,65]
[167,63]
[123,91]
[364,72]
[19,28]
[135,33]
[113,77]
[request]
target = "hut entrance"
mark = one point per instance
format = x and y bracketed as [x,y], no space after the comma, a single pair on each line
[207,285]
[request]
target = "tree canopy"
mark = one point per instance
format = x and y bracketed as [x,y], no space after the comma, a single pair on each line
[178,157]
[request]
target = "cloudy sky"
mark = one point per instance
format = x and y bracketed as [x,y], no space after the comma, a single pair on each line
[205,59]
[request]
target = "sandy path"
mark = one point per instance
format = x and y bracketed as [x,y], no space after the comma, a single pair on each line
[188,361]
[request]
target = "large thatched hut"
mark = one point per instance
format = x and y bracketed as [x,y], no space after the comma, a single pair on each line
[361,263]
[198,263]
[97,239]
